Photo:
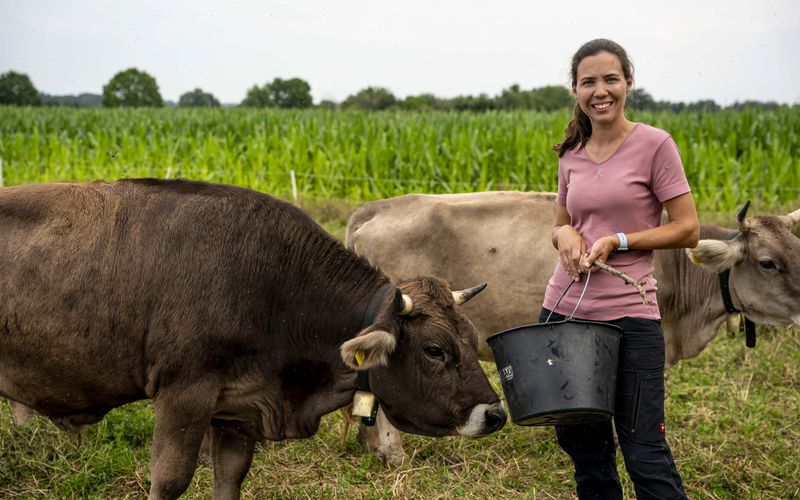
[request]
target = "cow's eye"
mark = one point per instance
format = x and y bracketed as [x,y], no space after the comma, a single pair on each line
[434,351]
[767,264]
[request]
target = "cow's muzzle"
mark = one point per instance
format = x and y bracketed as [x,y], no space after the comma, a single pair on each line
[484,419]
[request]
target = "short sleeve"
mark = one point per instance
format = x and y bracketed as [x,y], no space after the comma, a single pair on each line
[667,177]
[561,196]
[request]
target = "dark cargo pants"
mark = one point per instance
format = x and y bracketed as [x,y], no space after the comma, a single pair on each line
[638,420]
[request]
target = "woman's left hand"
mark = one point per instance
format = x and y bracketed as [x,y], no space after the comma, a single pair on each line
[600,251]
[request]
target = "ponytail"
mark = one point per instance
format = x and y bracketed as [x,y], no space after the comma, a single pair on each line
[578,131]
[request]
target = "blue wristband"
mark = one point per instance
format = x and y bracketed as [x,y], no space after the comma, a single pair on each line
[623,242]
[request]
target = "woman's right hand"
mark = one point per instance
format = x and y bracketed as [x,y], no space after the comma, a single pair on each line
[571,248]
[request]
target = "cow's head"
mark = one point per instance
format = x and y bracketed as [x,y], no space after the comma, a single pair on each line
[421,353]
[764,260]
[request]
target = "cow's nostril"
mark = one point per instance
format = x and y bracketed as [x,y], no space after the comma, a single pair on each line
[495,417]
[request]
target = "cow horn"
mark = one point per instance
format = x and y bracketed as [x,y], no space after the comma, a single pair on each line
[741,215]
[402,303]
[462,296]
[794,217]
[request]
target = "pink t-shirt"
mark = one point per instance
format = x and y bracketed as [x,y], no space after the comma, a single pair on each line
[624,193]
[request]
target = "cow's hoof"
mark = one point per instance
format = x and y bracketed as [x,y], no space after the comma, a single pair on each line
[396,458]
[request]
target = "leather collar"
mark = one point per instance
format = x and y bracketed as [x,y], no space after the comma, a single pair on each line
[362,376]
[727,300]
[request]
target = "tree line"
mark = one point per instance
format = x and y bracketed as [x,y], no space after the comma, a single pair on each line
[135,88]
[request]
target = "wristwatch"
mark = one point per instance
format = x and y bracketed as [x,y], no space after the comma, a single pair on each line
[623,242]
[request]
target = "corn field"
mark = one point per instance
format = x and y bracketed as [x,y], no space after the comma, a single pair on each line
[358,156]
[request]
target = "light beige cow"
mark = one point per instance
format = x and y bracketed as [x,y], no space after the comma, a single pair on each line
[503,238]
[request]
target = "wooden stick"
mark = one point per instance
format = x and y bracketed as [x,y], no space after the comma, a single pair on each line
[624,277]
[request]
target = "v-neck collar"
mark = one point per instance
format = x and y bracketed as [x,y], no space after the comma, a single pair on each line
[584,153]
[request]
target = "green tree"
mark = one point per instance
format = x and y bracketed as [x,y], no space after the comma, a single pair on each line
[373,98]
[16,88]
[706,105]
[479,103]
[758,105]
[292,93]
[547,98]
[424,102]
[130,89]
[327,104]
[257,97]
[513,98]
[641,99]
[84,100]
[551,98]
[198,99]
[675,107]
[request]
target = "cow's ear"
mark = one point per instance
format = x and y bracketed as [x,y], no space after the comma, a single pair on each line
[368,350]
[716,255]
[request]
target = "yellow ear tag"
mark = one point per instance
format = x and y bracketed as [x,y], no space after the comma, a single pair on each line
[694,259]
[359,357]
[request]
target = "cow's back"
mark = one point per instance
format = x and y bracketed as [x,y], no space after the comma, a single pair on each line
[50,253]
[109,290]
[466,238]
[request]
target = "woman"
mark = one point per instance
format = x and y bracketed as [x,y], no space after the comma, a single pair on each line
[614,178]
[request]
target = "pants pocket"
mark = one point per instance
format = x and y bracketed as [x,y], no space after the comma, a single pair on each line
[634,411]
[641,409]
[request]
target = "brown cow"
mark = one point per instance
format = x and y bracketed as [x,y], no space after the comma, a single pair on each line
[504,237]
[227,308]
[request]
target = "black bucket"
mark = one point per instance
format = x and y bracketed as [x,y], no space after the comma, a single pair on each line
[560,372]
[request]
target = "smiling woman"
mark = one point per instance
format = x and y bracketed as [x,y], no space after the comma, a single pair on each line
[602,75]
[615,177]
[601,91]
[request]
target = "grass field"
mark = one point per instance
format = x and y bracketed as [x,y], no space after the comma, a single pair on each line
[733,414]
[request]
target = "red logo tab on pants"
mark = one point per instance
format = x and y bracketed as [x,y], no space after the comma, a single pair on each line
[662,428]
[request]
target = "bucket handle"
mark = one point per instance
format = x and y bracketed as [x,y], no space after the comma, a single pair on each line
[572,315]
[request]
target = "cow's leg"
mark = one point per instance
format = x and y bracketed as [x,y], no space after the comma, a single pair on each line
[383,439]
[20,413]
[182,416]
[231,455]
[205,449]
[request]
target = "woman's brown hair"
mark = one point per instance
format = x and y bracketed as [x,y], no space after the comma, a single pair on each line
[579,128]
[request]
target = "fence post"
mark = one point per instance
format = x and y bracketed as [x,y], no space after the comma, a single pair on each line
[1,172]
[294,186]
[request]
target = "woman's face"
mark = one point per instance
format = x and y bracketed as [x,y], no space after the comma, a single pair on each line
[601,88]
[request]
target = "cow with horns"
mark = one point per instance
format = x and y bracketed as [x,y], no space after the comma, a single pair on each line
[504,237]
[231,310]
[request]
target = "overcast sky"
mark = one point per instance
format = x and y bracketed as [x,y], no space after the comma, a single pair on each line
[683,50]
